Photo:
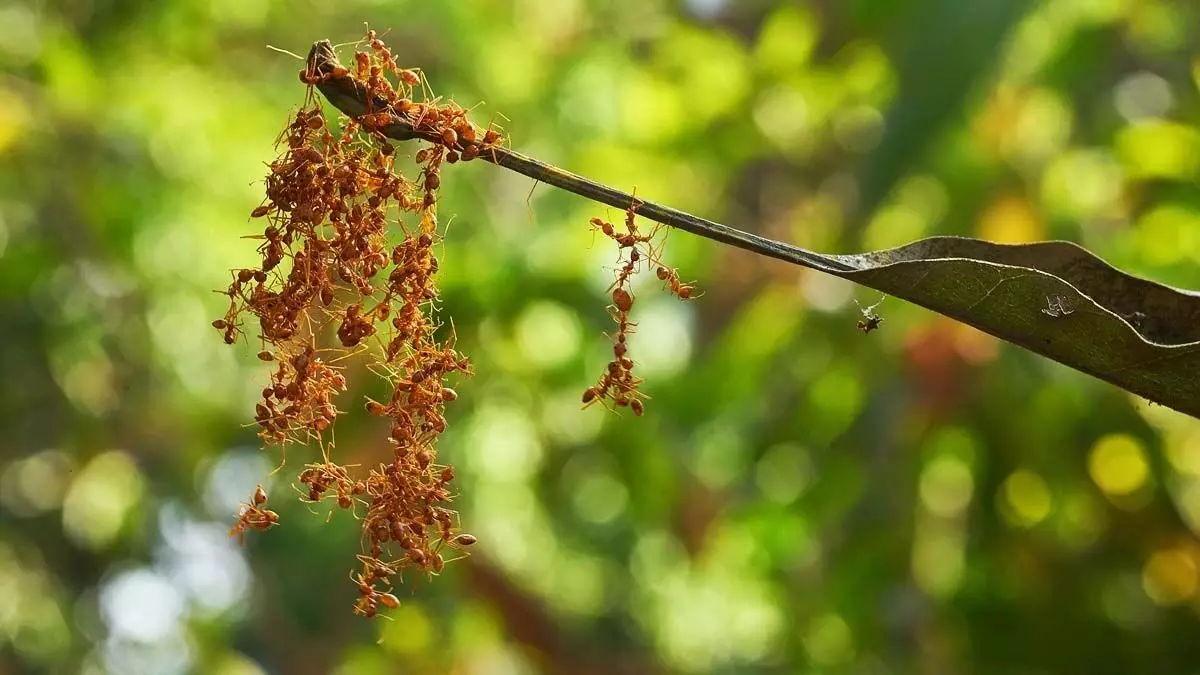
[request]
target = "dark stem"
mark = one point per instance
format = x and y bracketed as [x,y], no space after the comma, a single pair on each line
[351,97]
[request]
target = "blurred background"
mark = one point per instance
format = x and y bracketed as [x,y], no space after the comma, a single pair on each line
[798,498]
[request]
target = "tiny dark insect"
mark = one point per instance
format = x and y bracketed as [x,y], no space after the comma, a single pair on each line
[870,323]
[870,320]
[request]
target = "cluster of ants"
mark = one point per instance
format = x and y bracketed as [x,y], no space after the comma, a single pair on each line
[327,266]
[387,103]
[618,386]
[330,272]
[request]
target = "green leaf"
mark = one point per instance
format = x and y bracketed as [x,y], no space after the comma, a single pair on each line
[1055,299]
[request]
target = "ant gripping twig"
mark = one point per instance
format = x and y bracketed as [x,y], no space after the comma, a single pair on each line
[353,97]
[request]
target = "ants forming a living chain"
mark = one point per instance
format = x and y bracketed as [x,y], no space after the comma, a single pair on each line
[618,387]
[331,264]
[343,275]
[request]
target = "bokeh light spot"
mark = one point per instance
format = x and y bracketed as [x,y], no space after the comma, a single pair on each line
[946,486]
[36,484]
[1011,220]
[1025,498]
[99,499]
[503,443]
[938,556]
[1159,149]
[548,334]
[784,473]
[1167,234]
[1169,577]
[829,640]
[1040,129]
[786,40]
[410,633]
[141,605]
[1143,95]
[1083,183]
[1118,465]
[599,498]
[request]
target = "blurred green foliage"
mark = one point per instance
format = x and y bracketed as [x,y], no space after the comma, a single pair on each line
[798,498]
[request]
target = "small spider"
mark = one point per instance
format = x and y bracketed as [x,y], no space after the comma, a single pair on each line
[870,320]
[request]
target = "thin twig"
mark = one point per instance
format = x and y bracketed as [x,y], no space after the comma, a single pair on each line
[351,97]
